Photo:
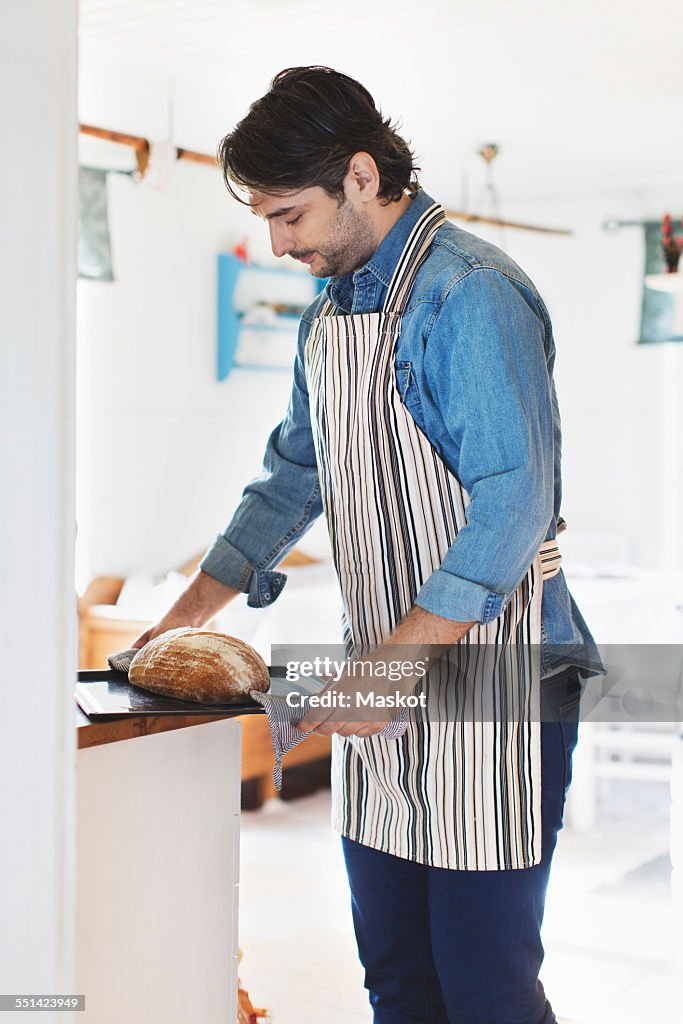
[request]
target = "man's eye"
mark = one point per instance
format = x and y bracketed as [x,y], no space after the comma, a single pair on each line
[294,220]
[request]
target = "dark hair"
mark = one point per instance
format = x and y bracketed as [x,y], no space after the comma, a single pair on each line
[304,131]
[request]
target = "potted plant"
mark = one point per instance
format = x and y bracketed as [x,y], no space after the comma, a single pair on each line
[671,244]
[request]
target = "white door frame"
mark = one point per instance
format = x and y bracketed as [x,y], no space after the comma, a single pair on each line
[38,228]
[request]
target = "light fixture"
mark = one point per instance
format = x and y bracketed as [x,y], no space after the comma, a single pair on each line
[488,152]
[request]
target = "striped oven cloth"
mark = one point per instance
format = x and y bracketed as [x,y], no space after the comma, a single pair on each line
[120,660]
[284,734]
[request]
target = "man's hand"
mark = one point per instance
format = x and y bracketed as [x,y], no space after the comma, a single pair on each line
[168,621]
[342,717]
[421,638]
[362,729]
[204,598]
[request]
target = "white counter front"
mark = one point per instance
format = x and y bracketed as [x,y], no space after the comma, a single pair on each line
[158,874]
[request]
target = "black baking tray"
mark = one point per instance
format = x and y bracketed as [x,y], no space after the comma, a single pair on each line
[103,694]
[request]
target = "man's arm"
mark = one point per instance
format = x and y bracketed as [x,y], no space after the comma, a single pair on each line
[490,408]
[197,605]
[276,509]
[420,638]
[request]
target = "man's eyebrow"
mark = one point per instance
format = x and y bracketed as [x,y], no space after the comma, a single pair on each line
[277,213]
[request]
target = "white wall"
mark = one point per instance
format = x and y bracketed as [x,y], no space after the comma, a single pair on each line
[38,182]
[165,449]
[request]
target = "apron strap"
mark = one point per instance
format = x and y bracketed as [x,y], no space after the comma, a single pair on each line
[412,258]
[551,558]
[550,554]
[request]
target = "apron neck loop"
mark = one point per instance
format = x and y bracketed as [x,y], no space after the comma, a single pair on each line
[412,257]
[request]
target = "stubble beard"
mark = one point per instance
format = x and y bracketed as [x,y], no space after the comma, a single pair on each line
[351,244]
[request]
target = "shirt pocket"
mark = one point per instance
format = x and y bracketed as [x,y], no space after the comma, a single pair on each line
[406,385]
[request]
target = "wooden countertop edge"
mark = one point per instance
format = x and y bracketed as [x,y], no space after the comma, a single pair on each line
[94,734]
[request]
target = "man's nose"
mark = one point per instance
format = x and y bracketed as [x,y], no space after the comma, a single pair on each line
[279,239]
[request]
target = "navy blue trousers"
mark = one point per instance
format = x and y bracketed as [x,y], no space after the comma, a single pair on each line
[464,947]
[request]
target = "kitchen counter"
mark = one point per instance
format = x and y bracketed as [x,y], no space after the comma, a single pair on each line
[158,812]
[93,733]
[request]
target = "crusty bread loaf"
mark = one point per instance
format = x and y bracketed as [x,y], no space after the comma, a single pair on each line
[199,665]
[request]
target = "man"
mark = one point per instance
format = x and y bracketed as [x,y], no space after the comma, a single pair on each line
[423,423]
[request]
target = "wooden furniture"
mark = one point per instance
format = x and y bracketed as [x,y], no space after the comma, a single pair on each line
[103,629]
[158,805]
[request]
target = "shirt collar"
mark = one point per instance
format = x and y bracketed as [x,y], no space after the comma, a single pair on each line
[385,257]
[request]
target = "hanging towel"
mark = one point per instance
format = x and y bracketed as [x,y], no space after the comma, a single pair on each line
[94,249]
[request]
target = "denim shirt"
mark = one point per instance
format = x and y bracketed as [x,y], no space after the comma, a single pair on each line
[474,368]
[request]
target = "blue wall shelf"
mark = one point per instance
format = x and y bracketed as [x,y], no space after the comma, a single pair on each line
[230,319]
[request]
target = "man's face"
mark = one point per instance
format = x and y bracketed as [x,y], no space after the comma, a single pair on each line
[332,239]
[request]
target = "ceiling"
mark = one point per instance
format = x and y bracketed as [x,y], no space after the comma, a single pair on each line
[581,97]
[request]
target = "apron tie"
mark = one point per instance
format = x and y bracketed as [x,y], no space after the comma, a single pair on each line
[550,554]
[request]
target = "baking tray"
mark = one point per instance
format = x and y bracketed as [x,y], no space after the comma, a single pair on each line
[104,694]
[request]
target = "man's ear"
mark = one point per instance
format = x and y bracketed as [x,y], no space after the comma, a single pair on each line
[362,179]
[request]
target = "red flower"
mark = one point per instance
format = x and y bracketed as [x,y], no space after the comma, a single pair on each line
[672,245]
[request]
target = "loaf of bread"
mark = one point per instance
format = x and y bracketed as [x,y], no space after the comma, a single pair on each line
[199,665]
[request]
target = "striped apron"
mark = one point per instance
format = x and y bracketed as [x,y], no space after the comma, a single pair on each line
[461,788]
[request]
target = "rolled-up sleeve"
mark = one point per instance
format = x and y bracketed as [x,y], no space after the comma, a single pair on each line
[277,507]
[489,412]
